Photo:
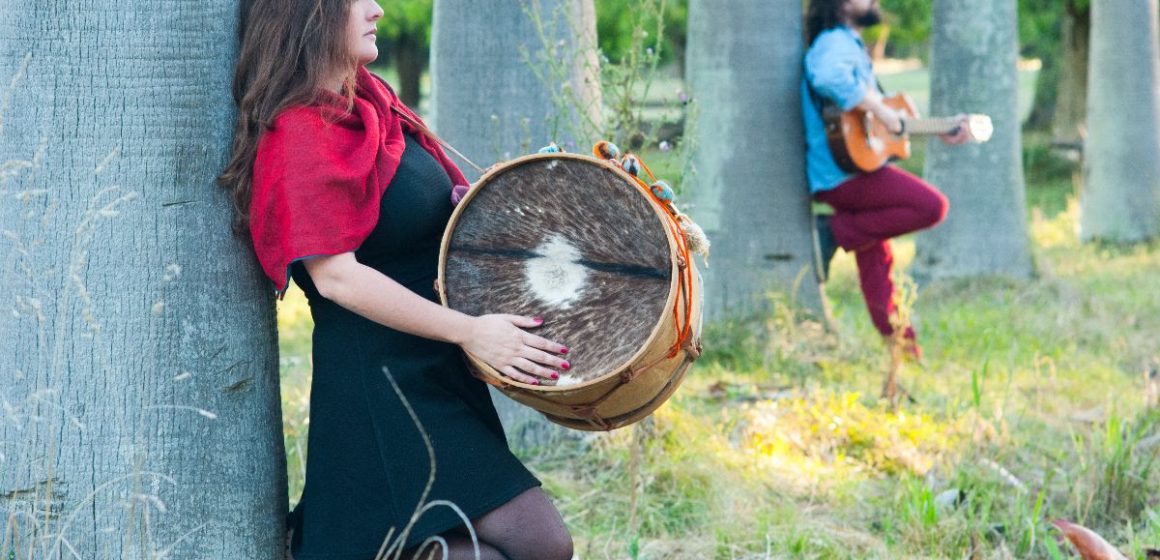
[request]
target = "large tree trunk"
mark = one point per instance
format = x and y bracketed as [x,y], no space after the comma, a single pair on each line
[487,99]
[488,102]
[410,60]
[973,56]
[1045,101]
[1121,168]
[749,188]
[1071,90]
[138,352]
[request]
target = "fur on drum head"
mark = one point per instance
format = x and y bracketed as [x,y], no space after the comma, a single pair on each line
[573,239]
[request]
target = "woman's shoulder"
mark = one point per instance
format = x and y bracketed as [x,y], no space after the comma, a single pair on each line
[296,125]
[297,118]
[288,140]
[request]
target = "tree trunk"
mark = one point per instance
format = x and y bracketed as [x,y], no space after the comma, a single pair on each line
[749,189]
[1071,91]
[488,101]
[973,58]
[1121,171]
[138,352]
[1045,101]
[499,91]
[410,61]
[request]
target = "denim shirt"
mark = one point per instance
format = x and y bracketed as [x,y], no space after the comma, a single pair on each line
[838,67]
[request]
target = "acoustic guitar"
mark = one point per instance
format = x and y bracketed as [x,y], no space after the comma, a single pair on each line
[861,143]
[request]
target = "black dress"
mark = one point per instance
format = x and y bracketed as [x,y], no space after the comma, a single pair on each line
[367,464]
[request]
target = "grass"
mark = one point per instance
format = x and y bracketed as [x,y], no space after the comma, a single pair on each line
[1034,404]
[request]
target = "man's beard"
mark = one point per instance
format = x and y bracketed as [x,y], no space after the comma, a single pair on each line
[871,18]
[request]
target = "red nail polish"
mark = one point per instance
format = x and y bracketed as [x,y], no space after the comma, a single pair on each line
[534,382]
[566,365]
[563,350]
[538,319]
[555,375]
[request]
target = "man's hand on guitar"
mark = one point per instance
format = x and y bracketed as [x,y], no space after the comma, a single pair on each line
[960,135]
[891,118]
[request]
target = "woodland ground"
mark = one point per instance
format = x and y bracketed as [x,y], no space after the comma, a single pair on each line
[1037,401]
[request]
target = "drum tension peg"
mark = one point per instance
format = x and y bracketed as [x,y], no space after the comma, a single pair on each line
[583,410]
[628,375]
[693,347]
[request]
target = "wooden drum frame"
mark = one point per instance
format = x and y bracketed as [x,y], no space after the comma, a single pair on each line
[534,244]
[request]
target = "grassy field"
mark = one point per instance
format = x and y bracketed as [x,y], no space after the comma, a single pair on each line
[1037,401]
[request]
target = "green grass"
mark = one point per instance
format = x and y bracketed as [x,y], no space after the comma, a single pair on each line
[1032,405]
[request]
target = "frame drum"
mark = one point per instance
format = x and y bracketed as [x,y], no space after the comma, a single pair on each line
[577,241]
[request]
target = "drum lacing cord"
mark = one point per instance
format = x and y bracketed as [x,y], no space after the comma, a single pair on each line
[685,270]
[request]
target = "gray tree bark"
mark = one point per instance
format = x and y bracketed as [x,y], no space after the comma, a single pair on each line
[1121,191]
[1071,94]
[973,56]
[507,78]
[748,187]
[139,406]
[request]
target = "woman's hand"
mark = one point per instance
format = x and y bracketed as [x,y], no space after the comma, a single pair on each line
[498,340]
[501,342]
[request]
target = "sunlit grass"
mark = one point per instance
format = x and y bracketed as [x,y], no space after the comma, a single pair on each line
[294,328]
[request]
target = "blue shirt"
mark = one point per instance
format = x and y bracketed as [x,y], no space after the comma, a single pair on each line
[838,67]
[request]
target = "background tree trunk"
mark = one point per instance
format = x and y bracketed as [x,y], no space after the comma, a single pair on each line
[749,188]
[973,57]
[411,56]
[488,101]
[1046,99]
[138,353]
[1121,169]
[1071,89]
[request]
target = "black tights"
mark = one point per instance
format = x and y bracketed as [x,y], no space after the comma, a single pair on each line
[528,527]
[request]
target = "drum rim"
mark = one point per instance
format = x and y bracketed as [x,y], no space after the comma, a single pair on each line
[662,216]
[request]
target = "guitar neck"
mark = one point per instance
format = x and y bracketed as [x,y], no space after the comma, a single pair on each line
[930,127]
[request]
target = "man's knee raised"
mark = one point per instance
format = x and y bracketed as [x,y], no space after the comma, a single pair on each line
[937,208]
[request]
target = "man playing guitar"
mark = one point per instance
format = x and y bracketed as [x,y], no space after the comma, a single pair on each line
[869,207]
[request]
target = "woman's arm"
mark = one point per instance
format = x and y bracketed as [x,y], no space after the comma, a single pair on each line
[498,340]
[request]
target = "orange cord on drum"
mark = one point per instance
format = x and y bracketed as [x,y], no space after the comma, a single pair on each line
[684,329]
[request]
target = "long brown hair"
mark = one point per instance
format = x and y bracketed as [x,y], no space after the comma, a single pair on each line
[289,48]
[822,15]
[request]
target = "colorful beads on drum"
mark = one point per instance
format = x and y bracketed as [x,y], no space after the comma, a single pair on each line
[631,165]
[606,150]
[663,191]
[551,148]
[695,237]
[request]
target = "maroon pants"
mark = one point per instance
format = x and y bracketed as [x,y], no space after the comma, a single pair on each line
[869,209]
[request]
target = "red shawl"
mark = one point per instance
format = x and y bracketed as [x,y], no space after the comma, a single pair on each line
[320,175]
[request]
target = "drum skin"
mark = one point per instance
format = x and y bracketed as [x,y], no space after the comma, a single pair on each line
[575,240]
